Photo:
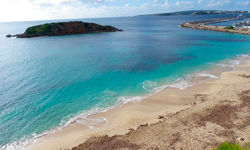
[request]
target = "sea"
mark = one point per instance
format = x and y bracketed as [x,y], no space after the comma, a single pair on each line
[49,83]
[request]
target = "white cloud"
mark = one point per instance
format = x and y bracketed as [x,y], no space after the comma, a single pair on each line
[219,3]
[184,4]
[20,10]
[244,3]
[144,5]
[166,4]
[178,4]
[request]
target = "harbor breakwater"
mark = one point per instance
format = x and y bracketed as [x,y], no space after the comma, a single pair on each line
[201,25]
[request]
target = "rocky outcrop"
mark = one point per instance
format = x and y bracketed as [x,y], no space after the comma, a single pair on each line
[64,28]
[8,36]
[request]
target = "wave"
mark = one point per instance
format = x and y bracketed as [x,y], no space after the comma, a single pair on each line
[231,62]
[93,123]
[151,87]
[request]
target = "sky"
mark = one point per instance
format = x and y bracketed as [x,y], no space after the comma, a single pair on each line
[27,10]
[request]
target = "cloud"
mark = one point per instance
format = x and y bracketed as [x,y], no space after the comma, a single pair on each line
[67,2]
[178,5]
[219,3]
[66,9]
[47,4]
[184,4]
[244,3]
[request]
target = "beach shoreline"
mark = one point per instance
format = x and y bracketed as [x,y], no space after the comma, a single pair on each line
[131,116]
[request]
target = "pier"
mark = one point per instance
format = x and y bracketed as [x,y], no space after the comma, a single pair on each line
[213,21]
[205,25]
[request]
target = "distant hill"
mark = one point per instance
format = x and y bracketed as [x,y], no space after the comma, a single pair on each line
[197,12]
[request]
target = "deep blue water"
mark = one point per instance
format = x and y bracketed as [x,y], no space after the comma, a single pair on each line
[46,81]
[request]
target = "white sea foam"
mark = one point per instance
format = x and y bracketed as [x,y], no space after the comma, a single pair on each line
[93,123]
[149,85]
[231,62]
[125,100]
[22,144]
[182,84]
[206,75]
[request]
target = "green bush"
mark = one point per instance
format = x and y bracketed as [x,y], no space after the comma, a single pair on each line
[231,27]
[229,146]
[40,29]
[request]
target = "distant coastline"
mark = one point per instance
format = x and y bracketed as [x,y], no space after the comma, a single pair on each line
[198,12]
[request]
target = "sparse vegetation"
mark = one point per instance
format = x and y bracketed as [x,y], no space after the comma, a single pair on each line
[229,146]
[40,29]
[246,146]
[231,27]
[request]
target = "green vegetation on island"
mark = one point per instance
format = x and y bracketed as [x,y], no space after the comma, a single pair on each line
[231,27]
[40,29]
[229,146]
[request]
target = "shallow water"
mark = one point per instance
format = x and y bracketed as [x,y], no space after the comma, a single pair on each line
[46,82]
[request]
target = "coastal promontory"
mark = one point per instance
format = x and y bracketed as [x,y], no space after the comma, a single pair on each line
[64,28]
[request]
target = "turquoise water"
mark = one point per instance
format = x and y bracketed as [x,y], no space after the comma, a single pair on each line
[47,81]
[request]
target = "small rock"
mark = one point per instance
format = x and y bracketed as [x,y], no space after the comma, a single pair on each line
[8,36]
[241,139]
[160,117]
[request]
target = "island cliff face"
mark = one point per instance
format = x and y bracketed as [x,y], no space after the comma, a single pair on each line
[64,28]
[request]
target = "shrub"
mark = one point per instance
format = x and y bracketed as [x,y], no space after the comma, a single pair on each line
[231,27]
[229,146]
[40,29]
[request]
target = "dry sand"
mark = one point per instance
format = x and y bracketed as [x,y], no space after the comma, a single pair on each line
[199,117]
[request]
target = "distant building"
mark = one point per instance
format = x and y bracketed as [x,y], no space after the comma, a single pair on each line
[241,17]
[249,11]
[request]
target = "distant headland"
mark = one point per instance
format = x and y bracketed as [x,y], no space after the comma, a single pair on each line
[64,28]
[198,12]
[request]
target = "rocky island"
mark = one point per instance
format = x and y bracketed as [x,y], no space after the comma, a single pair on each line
[64,28]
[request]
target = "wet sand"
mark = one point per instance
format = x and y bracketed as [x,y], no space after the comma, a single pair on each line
[199,117]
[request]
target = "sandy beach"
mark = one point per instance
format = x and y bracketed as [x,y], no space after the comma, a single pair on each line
[200,117]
